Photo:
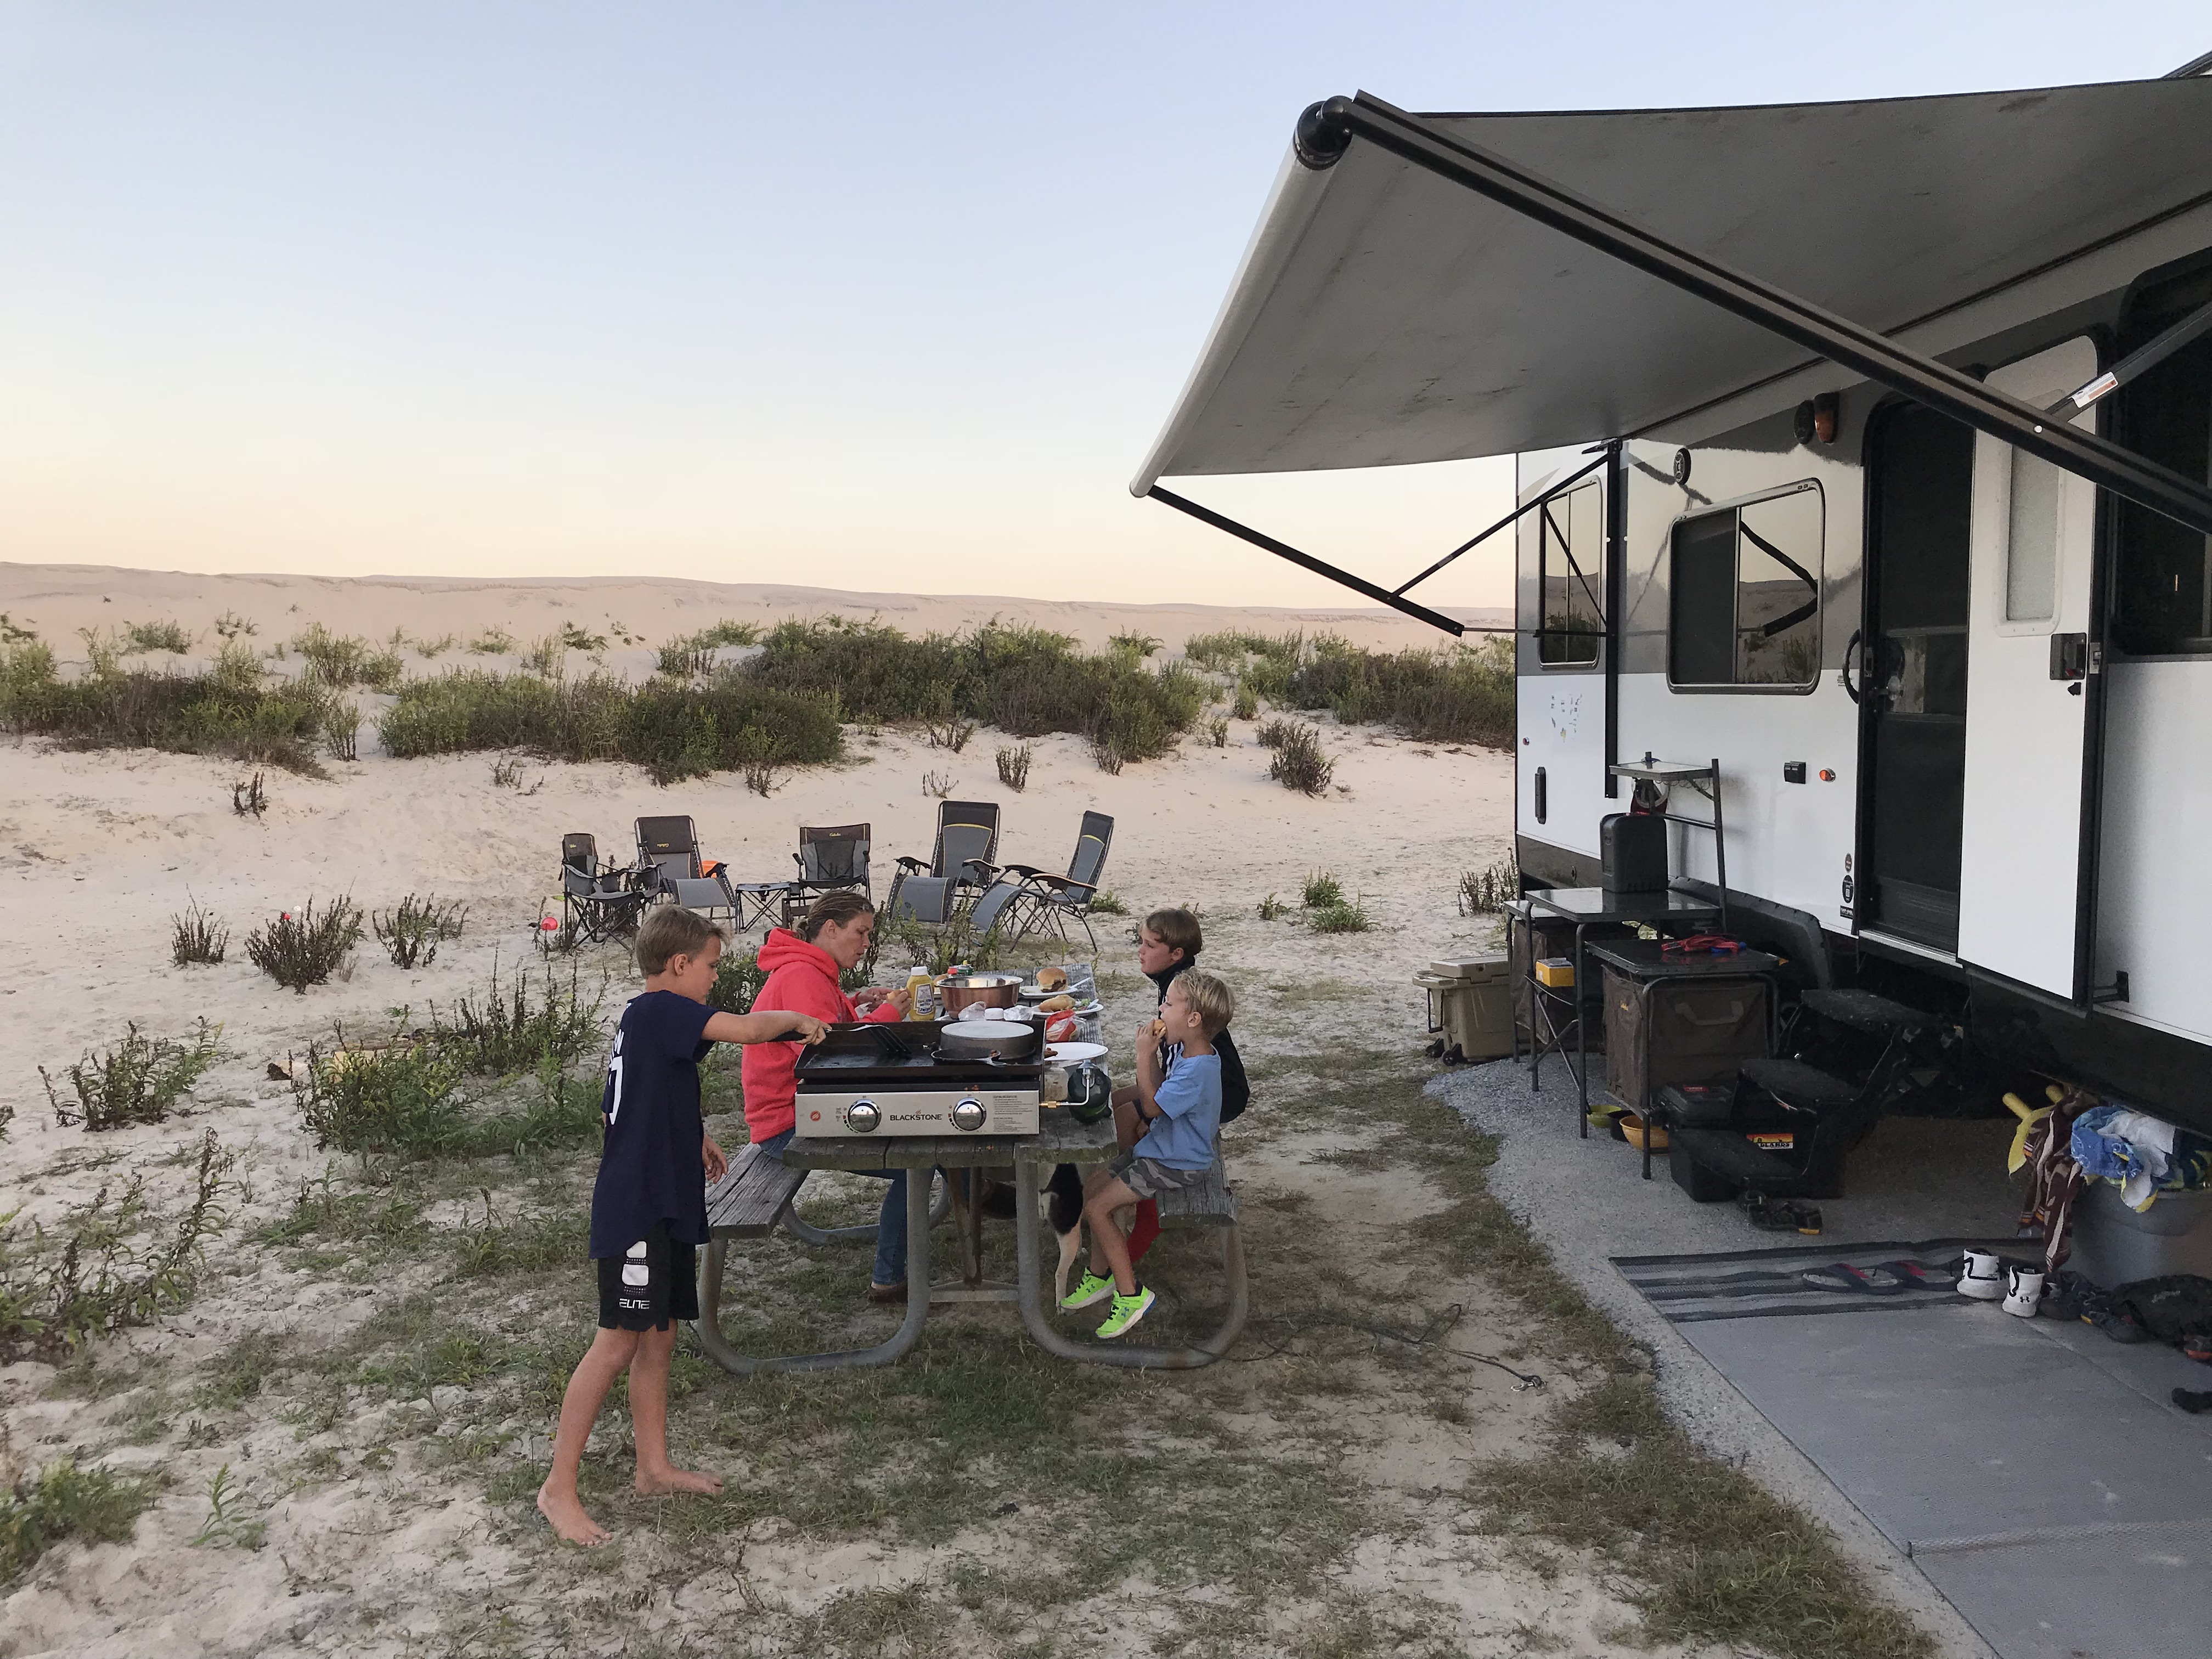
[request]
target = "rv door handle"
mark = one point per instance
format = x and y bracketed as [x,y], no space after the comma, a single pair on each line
[1843,674]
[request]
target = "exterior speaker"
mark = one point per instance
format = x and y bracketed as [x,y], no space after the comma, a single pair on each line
[1634,849]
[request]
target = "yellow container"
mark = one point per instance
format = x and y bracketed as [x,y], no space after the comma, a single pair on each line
[1557,972]
[924,987]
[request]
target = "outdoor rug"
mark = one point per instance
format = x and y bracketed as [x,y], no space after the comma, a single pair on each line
[2035,1470]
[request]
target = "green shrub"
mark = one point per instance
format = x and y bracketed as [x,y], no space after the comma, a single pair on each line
[224,711]
[1321,888]
[64,1503]
[136,1081]
[403,1100]
[680,660]
[1104,904]
[1339,916]
[674,731]
[342,730]
[1247,706]
[738,979]
[1299,762]
[297,951]
[197,936]
[547,658]
[572,638]
[411,933]
[492,642]
[87,1276]
[1217,731]
[231,626]
[337,660]
[1485,891]
[511,1032]
[1014,766]
[1273,734]
[14,632]
[158,636]
[1460,694]
[1134,647]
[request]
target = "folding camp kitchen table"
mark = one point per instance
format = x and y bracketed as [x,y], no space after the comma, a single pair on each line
[1586,907]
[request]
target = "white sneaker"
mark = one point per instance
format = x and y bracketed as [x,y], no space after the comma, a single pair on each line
[1983,1280]
[2024,1293]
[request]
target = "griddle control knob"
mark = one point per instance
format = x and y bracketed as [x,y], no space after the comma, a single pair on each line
[863,1116]
[968,1114]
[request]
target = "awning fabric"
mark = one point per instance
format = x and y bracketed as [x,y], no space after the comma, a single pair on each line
[1384,315]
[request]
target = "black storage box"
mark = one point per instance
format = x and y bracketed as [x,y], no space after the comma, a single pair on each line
[1680,1030]
[1633,848]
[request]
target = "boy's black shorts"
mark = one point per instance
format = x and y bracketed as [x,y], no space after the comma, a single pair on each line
[656,1281]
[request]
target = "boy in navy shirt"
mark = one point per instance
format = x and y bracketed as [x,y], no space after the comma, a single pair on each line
[649,1206]
[1180,1115]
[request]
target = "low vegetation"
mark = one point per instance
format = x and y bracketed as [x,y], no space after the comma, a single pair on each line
[1455,694]
[1491,889]
[136,1081]
[691,656]
[64,1503]
[1014,766]
[341,660]
[89,1273]
[411,932]
[157,636]
[227,710]
[196,936]
[1299,762]
[306,949]
[674,731]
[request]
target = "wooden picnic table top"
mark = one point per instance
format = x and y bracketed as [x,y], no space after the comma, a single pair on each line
[1059,1139]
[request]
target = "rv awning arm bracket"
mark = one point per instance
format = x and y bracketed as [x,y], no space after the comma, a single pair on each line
[2140,361]
[1319,567]
[1327,129]
[1514,517]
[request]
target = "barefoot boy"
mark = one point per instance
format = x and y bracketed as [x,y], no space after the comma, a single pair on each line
[1181,1115]
[649,1207]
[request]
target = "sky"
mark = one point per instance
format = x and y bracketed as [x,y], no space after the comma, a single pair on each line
[859,296]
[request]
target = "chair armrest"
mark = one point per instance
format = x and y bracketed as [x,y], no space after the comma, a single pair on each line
[1026,871]
[912,867]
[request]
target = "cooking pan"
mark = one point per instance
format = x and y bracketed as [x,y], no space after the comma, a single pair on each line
[957,993]
[978,1039]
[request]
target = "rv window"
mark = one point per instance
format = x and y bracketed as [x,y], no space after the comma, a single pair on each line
[2162,602]
[1745,586]
[1571,576]
[2032,542]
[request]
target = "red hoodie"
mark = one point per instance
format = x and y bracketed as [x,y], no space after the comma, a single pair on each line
[801,980]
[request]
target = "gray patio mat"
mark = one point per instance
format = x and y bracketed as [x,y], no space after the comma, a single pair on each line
[2036,1471]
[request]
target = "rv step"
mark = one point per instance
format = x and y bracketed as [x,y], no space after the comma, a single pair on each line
[1862,1011]
[1794,1083]
[1728,1154]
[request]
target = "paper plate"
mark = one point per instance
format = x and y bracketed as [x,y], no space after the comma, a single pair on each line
[1074,1054]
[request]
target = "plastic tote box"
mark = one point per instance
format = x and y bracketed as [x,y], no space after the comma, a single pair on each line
[1659,1031]
[1470,1005]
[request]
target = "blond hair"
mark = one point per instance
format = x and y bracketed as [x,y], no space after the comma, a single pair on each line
[671,931]
[1208,996]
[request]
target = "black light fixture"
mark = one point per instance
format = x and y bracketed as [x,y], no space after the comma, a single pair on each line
[1681,466]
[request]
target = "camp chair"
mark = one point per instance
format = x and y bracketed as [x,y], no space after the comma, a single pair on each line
[668,853]
[966,840]
[916,897]
[596,904]
[829,861]
[1067,897]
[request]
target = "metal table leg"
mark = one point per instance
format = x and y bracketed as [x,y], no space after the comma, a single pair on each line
[716,1347]
[807,1233]
[1027,1176]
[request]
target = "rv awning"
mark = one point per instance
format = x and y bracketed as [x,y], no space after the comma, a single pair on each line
[1384,315]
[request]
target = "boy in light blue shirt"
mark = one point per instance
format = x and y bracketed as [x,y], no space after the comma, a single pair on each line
[1178,1116]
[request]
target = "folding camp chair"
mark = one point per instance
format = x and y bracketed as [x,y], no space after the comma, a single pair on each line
[1065,899]
[596,904]
[966,841]
[668,852]
[829,861]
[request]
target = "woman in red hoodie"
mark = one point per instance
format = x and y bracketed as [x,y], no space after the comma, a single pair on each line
[803,968]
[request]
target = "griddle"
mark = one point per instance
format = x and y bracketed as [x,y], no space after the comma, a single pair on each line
[905,1053]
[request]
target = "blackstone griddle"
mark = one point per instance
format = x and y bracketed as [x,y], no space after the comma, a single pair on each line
[889,1079]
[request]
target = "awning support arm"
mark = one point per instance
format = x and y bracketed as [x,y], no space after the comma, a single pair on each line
[1320,567]
[2140,361]
[1544,500]
[1330,126]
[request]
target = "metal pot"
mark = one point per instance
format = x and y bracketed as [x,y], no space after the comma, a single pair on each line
[957,993]
[977,1039]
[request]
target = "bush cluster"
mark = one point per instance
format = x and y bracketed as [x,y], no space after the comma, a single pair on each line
[1024,681]
[64,1502]
[1299,761]
[306,949]
[136,1081]
[673,731]
[1457,694]
[339,660]
[226,710]
[411,933]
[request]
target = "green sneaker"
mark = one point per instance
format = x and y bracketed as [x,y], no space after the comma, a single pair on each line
[1128,1310]
[1091,1289]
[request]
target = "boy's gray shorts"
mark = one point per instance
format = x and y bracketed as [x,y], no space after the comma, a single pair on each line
[1146,1178]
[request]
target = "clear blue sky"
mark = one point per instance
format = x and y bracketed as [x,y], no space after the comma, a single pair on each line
[866,296]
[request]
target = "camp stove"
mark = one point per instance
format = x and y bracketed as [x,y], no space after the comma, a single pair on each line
[890,1080]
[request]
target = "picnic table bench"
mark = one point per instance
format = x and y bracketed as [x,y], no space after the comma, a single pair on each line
[756,1196]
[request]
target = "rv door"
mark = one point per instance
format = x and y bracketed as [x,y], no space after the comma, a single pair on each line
[2025,892]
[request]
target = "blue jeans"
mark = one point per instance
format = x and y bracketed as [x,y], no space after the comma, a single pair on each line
[891,1221]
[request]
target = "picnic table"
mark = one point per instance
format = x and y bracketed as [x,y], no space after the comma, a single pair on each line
[757,1195]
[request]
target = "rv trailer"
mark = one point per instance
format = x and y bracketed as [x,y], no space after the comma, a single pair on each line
[1861,455]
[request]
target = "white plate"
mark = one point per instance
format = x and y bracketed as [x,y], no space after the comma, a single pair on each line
[1074,1054]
